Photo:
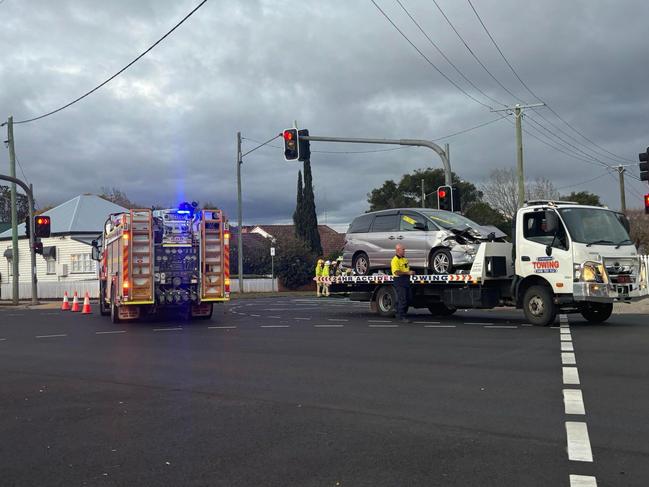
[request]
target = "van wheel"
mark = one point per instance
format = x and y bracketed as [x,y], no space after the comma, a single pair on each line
[597,312]
[440,309]
[538,305]
[441,262]
[361,264]
[386,301]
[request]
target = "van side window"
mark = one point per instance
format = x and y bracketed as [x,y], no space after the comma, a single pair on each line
[361,224]
[407,222]
[385,223]
[534,229]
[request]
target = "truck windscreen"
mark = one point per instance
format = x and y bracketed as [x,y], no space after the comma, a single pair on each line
[592,225]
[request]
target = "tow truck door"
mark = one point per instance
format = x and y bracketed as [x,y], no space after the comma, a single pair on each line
[539,230]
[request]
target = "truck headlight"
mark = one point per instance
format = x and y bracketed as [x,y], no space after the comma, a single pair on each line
[590,272]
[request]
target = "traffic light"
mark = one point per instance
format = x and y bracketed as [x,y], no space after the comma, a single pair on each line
[304,147]
[646,204]
[644,165]
[456,199]
[445,198]
[291,145]
[38,247]
[41,226]
[28,229]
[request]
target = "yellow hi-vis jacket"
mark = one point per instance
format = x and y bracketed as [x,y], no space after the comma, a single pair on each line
[318,270]
[325,271]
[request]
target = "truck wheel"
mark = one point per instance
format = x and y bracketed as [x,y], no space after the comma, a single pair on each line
[386,301]
[440,309]
[539,307]
[441,262]
[114,310]
[103,309]
[361,264]
[597,312]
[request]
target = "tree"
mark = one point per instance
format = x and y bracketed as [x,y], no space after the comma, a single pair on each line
[298,214]
[294,263]
[117,196]
[639,229]
[541,189]
[583,198]
[310,223]
[407,194]
[22,205]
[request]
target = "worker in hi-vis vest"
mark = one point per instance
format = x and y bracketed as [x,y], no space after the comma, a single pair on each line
[401,279]
[318,274]
[325,273]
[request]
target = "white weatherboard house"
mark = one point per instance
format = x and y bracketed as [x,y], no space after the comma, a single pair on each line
[65,264]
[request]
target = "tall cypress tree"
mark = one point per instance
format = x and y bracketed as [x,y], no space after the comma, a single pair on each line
[298,214]
[312,236]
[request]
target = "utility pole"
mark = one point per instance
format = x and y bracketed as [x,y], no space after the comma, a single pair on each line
[620,172]
[14,213]
[518,116]
[239,214]
[423,194]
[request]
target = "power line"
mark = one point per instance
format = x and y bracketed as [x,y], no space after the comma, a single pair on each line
[584,182]
[21,169]
[462,90]
[493,41]
[118,72]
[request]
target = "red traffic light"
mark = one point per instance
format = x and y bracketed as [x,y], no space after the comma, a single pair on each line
[288,135]
[646,203]
[42,220]
[442,193]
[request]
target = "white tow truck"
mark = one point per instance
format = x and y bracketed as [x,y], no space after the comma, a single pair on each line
[564,257]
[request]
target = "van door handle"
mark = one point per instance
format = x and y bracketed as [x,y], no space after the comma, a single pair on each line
[391,237]
[400,237]
[525,258]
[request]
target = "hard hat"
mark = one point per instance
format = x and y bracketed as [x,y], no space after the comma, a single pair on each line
[340,259]
[327,263]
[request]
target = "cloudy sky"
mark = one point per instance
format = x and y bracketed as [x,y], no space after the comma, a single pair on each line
[165,130]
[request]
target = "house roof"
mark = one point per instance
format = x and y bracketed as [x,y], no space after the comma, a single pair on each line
[84,214]
[330,239]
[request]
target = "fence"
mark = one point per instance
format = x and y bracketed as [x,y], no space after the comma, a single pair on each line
[55,290]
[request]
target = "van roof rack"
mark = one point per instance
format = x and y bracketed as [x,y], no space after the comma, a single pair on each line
[550,202]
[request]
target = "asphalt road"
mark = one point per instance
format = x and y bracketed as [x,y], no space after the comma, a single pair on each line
[307,392]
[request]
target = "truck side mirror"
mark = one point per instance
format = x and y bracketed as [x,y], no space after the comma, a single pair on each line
[551,221]
[548,250]
[95,250]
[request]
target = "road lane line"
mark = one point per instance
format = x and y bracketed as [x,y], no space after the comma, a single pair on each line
[109,332]
[500,326]
[177,328]
[582,481]
[221,327]
[3,339]
[570,376]
[440,326]
[568,358]
[255,316]
[379,321]
[477,323]
[275,317]
[578,442]
[275,326]
[567,347]
[566,338]
[303,319]
[383,326]
[527,324]
[428,322]
[565,331]
[328,326]
[573,401]
[336,319]
[51,336]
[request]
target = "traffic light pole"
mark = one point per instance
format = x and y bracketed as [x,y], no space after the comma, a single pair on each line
[410,142]
[14,257]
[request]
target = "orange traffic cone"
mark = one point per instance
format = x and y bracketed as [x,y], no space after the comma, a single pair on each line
[66,305]
[75,303]
[86,305]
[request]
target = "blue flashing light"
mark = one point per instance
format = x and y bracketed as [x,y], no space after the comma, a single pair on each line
[183,212]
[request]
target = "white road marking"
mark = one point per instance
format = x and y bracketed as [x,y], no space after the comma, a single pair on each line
[303,319]
[177,328]
[501,326]
[427,322]
[49,314]
[573,401]
[379,321]
[328,326]
[275,326]
[566,338]
[527,324]
[336,319]
[440,326]
[15,314]
[3,339]
[568,358]
[578,442]
[563,317]
[582,481]
[564,331]
[383,326]
[570,376]
[476,323]
[275,317]
[256,316]
[221,327]
[109,332]
[51,336]
[567,347]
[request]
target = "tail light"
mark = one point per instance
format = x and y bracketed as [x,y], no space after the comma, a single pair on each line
[227,284]
[125,288]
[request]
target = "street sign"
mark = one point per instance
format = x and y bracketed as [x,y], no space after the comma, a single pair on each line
[272,251]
